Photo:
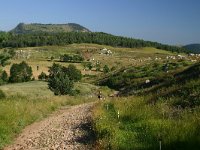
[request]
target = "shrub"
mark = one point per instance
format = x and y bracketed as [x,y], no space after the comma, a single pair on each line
[42,76]
[58,81]
[106,69]
[87,65]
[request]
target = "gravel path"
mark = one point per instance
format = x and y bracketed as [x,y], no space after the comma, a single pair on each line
[69,128]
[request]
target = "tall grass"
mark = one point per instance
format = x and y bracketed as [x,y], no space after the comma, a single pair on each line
[17,112]
[29,102]
[142,126]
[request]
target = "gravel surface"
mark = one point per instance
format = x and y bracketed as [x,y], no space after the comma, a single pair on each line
[68,128]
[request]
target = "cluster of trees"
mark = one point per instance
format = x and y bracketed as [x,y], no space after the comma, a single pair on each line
[18,73]
[71,58]
[42,39]
[4,57]
[61,79]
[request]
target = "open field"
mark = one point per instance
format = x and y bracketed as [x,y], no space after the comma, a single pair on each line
[30,89]
[40,56]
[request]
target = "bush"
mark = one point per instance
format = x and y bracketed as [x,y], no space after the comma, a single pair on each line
[20,72]
[106,69]
[58,81]
[42,76]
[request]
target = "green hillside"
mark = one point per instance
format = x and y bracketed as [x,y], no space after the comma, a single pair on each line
[177,81]
[195,48]
[49,28]
[163,112]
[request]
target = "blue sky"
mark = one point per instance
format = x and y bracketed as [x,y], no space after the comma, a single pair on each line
[174,22]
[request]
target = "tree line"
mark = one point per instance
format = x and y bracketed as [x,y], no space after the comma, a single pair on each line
[8,39]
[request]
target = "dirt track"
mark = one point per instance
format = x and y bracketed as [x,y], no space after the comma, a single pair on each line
[69,128]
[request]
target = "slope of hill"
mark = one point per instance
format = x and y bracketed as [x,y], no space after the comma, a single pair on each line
[50,28]
[195,48]
[180,85]
[158,112]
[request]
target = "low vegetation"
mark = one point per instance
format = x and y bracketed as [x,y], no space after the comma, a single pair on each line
[135,79]
[164,113]
[143,126]
[24,103]
[71,58]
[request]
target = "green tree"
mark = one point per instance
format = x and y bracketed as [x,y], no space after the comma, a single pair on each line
[59,81]
[73,73]
[20,72]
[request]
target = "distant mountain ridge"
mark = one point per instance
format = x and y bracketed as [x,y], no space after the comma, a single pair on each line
[195,48]
[23,28]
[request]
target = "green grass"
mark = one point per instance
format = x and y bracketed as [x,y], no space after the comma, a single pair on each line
[33,89]
[140,125]
[167,109]
[28,102]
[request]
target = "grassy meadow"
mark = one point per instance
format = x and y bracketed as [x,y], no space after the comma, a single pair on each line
[143,126]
